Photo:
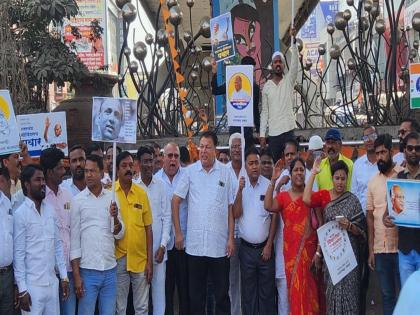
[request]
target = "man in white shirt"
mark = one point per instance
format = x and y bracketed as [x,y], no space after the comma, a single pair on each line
[59,198]
[407,125]
[176,265]
[161,226]
[277,102]
[209,241]
[77,159]
[235,169]
[239,98]
[7,288]
[37,249]
[364,167]
[257,229]
[95,224]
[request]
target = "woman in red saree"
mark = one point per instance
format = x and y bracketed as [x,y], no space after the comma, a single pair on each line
[300,240]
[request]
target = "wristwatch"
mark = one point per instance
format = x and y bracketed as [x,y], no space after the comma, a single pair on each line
[163,247]
[65,280]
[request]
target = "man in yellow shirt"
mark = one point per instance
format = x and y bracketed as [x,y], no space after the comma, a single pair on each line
[134,252]
[333,151]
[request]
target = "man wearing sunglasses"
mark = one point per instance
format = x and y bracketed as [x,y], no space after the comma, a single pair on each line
[176,265]
[407,125]
[408,238]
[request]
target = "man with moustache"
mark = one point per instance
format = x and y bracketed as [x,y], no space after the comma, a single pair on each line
[235,169]
[257,229]
[382,241]
[59,198]
[267,163]
[77,159]
[161,226]
[134,252]
[333,150]
[209,241]
[408,238]
[92,242]
[38,248]
[363,170]
[176,265]
[277,102]
[407,125]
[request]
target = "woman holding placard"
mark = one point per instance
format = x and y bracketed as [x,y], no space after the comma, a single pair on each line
[343,206]
[299,239]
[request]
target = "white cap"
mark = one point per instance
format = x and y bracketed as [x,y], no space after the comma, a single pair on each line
[277,54]
[315,143]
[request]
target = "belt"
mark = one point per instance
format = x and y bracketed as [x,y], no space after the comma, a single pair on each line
[6,269]
[255,246]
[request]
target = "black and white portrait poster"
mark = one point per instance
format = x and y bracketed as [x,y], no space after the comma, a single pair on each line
[114,120]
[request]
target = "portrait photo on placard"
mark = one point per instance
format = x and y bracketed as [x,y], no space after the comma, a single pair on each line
[114,120]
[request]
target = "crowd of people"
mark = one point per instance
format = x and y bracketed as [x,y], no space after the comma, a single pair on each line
[226,238]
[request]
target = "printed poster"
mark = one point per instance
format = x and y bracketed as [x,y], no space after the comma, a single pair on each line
[414,85]
[239,98]
[222,43]
[9,131]
[337,250]
[403,198]
[42,131]
[114,120]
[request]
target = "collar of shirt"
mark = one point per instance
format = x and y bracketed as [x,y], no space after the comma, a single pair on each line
[87,192]
[407,172]
[162,174]
[152,182]
[248,182]
[216,166]
[118,187]
[364,159]
[326,161]
[49,191]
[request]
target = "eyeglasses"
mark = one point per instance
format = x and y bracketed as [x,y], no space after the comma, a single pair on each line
[411,148]
[373,136]
[172,155]
[402,132]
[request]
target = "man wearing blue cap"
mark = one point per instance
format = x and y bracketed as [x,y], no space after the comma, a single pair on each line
[333,150]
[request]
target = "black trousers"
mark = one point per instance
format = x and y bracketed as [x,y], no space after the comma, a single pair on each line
[7,292]
[199,268]
[277,144]
[176,275]
[258,296]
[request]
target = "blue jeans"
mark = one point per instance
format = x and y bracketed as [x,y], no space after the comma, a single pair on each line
[98,283]
[68,307]
[408,264]
[386,266]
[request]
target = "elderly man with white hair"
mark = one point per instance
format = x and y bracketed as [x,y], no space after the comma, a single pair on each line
[277,102]
[235,170]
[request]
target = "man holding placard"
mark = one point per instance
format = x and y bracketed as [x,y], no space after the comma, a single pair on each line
[408,237]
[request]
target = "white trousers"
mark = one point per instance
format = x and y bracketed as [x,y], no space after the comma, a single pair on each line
[45,300]
[283,301]
[158,288]
[139,285]
[235,280]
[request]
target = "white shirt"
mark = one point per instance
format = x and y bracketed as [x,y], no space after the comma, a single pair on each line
[91,239]
[398,158]
[38,247]
[6,231]
[240,99]
[363,170]
[254,224]
[17,199]
[161,212]
[277,101]
[106,180]
[209,196]
[70,186]
[183,207]
[235,185]
[61,205]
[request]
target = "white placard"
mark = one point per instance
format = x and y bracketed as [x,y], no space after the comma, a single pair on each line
[114,120]
[337,250]
[9,131]
[42,131]
[239,95]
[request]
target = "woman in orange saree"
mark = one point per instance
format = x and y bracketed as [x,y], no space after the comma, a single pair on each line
[299,239]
